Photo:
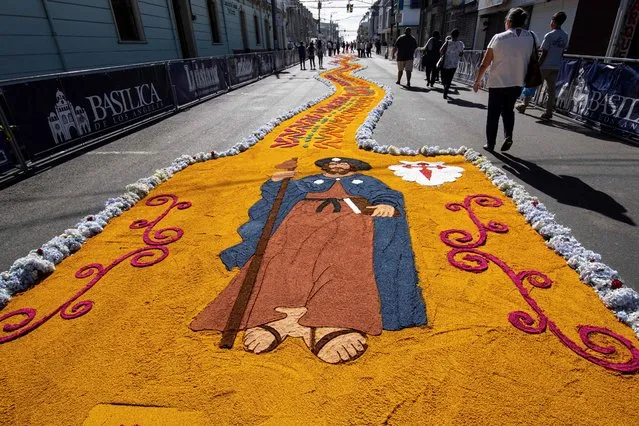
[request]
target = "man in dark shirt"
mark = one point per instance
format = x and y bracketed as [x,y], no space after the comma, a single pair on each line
[405,46]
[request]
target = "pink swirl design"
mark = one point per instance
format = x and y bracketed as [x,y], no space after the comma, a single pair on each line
[162,236]
[464,255]
[153,253]
[464,238]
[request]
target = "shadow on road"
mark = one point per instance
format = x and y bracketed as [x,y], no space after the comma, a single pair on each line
[464,103]
[416,89]
[277,73]
[565,189]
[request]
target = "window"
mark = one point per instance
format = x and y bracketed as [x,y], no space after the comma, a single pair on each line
[127,20]
[256,22]
[215,29]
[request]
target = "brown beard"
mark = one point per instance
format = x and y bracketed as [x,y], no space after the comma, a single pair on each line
[351,168]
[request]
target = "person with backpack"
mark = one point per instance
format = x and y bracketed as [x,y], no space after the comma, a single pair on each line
[552,49]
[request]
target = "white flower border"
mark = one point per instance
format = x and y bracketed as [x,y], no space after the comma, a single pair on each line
[624,302]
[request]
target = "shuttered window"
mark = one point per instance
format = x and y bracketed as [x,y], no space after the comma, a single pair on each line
[127,20]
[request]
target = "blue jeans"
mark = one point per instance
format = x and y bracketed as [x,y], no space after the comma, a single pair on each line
[501,102]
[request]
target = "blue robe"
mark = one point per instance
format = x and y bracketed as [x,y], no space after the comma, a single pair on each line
[401,299]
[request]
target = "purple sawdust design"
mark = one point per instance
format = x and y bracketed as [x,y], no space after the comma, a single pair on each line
[154,252]
[464,255]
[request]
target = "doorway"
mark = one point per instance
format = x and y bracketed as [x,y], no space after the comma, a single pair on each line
[245,42]
[183,14]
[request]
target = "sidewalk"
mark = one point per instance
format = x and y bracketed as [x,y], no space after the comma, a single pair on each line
[44,205]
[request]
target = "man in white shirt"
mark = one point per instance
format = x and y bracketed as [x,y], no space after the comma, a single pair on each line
[552,50]
[507,56]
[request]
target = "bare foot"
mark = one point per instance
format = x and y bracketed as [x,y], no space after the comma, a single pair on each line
[267,337]
[337,345]
[258,340]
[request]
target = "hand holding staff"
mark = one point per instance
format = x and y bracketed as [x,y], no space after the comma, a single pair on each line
[246,289]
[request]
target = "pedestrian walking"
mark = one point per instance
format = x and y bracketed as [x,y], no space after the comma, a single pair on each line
[405,47]
[451,51]
[552,50]
[301,51]
[310,51]
[378,47]
[430,57]
[329,46]
[369,48]
[336,48]
[507,56]
[320,53]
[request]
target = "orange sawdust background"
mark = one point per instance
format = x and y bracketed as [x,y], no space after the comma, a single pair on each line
[468,365]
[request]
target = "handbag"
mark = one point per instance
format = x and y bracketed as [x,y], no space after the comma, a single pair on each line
[533,76]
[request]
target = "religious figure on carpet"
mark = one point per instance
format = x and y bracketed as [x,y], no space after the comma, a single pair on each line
[338,265]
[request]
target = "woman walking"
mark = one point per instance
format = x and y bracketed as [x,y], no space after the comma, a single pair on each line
[508,56]
[430,58]
[311,55]
[452,50]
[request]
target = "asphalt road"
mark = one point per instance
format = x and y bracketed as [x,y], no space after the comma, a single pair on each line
[590,181]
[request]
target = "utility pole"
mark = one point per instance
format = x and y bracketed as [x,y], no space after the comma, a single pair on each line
[319,19]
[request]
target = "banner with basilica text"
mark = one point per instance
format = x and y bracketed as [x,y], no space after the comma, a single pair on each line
[56,114]
[603,95]
[599,94]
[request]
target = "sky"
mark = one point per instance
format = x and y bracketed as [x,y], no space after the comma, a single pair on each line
[346,21]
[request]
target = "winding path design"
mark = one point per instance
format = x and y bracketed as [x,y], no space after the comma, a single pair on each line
[324,125]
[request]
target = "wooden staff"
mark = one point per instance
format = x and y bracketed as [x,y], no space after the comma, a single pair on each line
[246,289]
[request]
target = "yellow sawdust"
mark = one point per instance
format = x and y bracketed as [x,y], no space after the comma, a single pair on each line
[469,365]
[105,415]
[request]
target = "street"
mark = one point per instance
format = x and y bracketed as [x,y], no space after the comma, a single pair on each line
[252,285]
[589,180]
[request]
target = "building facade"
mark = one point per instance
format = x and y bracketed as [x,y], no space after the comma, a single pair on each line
[491,15]
[432,18]
[49,36]
[593,30]
[300,24]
